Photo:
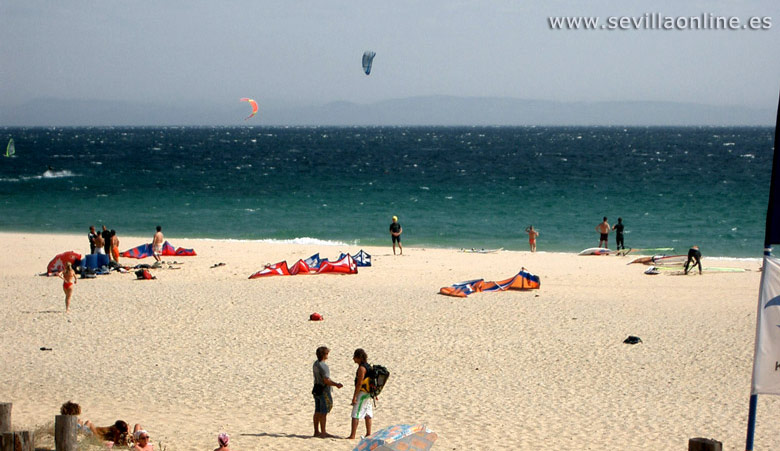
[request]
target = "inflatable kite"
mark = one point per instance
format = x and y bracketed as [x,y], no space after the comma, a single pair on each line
[145,250]
[253,104]
[57,264]
[368,60]
[312,265]
[522,281]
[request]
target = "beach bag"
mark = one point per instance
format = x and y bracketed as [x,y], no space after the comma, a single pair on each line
[632,340]
[377,377]
[143,274]
[318,389]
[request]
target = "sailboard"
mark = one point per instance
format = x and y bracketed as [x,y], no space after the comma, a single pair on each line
[10,149]
[678,270]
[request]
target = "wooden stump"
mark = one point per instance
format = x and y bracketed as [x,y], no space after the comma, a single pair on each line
[704,444]
[65,433]
[16,441]
[5,417]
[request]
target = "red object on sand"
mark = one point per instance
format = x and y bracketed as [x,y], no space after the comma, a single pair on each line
[57,264]
[315,317]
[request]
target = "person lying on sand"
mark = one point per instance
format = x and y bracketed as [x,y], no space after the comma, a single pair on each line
[141,439]
[116,433]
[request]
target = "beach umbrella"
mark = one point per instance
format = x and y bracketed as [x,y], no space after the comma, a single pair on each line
[411,437]
[57,263]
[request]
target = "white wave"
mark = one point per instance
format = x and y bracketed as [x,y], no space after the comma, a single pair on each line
[49,174]
[302,240]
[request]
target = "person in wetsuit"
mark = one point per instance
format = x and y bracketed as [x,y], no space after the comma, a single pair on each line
[395,233]
[618,228]
[694,255]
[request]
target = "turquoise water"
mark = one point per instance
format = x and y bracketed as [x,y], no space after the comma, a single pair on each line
[450,186]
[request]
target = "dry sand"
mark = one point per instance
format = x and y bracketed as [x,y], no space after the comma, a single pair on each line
[202,350]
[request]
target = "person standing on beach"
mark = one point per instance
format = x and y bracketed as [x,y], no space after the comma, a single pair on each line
[99,244]
[532,234]
[694,255]
[323,396]
[91,236]
[618,228]
[68,276]
[395,232]
[361,400]
[114,246]
[106,235]
[157,243]
[603,229]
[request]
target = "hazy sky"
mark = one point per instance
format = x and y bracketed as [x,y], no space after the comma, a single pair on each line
[297,52]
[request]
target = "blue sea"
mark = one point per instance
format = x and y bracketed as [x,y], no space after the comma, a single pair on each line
[451,187]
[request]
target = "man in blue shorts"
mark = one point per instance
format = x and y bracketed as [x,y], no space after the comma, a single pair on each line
[323,398]
[395,232]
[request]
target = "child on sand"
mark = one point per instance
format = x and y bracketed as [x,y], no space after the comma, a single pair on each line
[532,234]
[361,400]
[68,276]
[223,439]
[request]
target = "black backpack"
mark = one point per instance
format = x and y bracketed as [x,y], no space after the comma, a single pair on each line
[377,378]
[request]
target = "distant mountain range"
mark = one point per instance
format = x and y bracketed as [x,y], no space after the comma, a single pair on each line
[424,110]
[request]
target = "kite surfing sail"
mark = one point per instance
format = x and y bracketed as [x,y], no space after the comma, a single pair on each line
[312,265]
[254,106]
[524,280]
[10,149]
[368,59]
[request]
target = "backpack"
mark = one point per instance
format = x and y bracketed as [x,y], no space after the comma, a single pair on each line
[144,274]
[377,377]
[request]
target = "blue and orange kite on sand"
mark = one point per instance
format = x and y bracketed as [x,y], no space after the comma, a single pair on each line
[145,250]
[524,280]
[345,264]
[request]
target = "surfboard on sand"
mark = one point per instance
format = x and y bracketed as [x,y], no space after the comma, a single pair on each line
[482,251]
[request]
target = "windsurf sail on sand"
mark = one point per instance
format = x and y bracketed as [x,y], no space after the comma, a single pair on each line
[523,280]
[661,260]
[10,149]
[253,104]
[481,251]
[596,251]
[368,60]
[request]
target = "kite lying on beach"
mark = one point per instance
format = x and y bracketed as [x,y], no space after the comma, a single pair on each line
[524,280]
[57,264]
[145,250]
[312,265]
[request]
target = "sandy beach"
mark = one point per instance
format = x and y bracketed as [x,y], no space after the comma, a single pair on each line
[202,350]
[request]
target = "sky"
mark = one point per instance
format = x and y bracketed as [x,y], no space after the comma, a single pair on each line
[308,52]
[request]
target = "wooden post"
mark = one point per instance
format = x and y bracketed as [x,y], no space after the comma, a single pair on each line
[704,444]
[5,417]
[16,441]
[65,433]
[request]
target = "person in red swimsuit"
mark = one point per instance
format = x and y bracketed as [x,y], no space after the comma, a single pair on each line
[68,276]
[532,234]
